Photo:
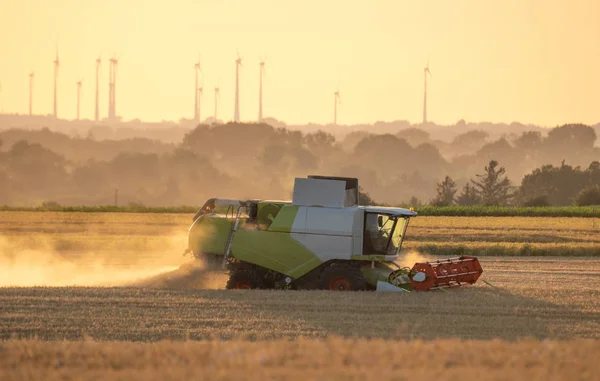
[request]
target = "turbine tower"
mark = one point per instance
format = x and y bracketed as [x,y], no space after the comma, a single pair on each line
[31,75]
[97,110]
[217,95]
[425,72]
[199,92]
[110,88]
[56,66]
[336,100]
[260,92]
[196,92]
[112,84]
[78,96]
[236,114]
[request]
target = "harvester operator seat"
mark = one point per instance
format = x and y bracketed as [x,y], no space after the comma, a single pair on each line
[374,241]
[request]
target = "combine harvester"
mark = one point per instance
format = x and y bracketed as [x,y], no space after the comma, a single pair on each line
[322,239]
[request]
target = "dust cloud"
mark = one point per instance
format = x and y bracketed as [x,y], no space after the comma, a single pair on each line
[165,266]
[410,257]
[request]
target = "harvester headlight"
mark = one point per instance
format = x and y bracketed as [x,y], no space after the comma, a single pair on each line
[419,277]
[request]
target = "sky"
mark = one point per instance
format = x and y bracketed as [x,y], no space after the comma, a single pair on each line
[531,61]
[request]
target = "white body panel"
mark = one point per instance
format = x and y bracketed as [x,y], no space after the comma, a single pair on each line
[358,232]
[317,192]
[326,247]
[325,221]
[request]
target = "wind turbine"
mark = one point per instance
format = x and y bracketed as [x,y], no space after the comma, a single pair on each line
[78,96]
[260,92]
[199,94]
[112,84]
[425,72]
[31,75]
[197,69]
[336,100]
[97,110]
[56,66]
[110,88]
[217,96]
[236,114]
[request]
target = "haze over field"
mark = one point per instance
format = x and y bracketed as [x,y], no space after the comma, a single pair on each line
[528,61]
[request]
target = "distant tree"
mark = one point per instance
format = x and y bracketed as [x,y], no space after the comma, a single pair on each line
[494,188]
[529,141]
[588,196]
[593,172]
[537,201]
[414,202]
[50,204]
[364,198]
[472,139]
[320,142]
[31,166]
[560,185]
[413,136]
[468,196]
[446,189]
[572,138]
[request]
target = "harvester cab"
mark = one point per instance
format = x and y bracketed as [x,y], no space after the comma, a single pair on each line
[322,239]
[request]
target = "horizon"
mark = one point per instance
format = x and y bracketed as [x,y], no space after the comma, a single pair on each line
[489,62]
[266,119]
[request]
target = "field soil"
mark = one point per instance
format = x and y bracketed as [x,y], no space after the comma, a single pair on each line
[99,249]
[330,359]
[530,298]
[116,287]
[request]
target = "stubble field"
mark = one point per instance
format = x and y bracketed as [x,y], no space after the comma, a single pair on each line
[123,279]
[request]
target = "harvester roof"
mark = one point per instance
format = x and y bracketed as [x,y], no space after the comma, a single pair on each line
[389,210]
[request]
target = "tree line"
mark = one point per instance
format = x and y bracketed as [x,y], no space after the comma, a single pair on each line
[545,186]
[253,160]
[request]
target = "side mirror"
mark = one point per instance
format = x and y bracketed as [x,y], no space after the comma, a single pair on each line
[380,221]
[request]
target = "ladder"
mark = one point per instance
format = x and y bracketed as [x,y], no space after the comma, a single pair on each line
[231,236]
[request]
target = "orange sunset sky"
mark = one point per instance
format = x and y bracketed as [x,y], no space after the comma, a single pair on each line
[532,61]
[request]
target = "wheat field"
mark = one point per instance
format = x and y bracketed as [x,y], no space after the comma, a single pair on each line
[109,296]
[303,359]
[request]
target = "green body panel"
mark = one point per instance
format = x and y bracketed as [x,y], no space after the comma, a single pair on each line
[372,257]
[379,273]
[209,235]
[284,220]
[274,250]
[282,253]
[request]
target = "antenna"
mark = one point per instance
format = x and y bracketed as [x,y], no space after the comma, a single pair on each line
[31,75]
[97,109]
[78,96]
[236,113]
[425,72]
[260,91]
[336,100]
[56,66]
